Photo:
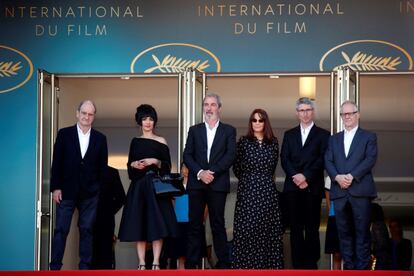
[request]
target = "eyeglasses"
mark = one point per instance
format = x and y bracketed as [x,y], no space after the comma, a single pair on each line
[305,110]
[256,120]
[348,114]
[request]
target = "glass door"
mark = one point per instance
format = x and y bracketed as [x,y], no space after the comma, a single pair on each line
[48,86]
[344,87]
[192,89]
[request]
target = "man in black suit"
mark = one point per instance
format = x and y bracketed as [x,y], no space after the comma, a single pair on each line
[111,199]
[209,153]
[80,159]
[349,160]
[302,157]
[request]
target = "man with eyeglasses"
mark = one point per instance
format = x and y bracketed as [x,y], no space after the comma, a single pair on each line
[302,160]
[80,158]
[349,160]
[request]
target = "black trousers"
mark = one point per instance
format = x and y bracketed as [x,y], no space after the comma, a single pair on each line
[215,201]
[103,246]
[304,215]
[87,214]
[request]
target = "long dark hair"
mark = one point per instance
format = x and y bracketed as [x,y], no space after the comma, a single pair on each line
[268,135]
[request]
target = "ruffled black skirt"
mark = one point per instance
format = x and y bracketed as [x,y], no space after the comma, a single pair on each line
[146,217]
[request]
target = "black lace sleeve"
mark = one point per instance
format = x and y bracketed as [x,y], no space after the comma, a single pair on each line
[238,161]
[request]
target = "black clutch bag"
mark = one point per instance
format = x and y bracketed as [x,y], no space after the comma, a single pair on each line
[168,185]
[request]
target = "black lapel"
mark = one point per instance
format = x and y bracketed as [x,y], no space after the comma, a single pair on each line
[298,137]
[354,142]
[75,139]
[217,137]
[92,142]
[341,143]
[203,134]
[311,135]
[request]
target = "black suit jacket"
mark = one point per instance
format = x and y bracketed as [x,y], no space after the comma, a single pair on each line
[111,199]
[307,159]
[223,151]
[76,176]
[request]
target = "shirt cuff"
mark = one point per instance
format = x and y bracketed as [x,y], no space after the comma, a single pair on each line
[198,174]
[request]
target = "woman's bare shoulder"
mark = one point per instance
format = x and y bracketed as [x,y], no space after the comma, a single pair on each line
[161,140]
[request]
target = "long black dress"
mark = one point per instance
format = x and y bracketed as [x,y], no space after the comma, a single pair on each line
[257,242]
[146,217]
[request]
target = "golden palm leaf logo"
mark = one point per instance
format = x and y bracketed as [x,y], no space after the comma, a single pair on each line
[365,62]
[15,69]
[8,69]
[175,58]
[171,64]
[360,55]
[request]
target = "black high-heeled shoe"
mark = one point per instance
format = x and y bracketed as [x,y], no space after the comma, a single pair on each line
[155,266]
[141,267]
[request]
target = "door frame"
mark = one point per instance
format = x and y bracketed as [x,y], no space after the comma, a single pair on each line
[45,152]
[48,86]
[39,179]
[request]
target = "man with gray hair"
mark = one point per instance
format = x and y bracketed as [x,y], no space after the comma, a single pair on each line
[349,160]
[80,158]
[209,153]
[302,158]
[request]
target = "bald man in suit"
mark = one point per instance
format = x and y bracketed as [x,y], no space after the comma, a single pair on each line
[80,158]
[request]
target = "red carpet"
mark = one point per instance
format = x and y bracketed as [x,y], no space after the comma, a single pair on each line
[209,272]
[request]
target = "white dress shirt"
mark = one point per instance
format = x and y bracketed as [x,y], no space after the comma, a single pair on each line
[348,137]
[211,133]
[305,132]
[83,140]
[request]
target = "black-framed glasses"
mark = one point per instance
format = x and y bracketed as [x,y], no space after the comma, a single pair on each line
[257,120]
[348,114]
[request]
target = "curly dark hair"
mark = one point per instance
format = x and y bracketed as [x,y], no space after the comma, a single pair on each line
[144,111]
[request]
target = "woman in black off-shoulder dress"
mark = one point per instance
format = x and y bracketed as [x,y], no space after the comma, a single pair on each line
[145,217]
[257,242]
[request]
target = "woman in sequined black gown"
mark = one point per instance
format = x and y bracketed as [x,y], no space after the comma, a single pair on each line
[258,229]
